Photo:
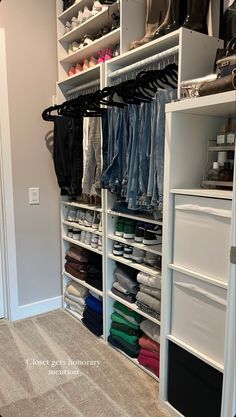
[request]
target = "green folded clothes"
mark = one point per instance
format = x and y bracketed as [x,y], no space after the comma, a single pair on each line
[126,329]
[135,349]
[127,311]
[117,318]
[130,339]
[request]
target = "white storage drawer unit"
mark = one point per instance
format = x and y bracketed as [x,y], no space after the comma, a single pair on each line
[199,315]
[202,235]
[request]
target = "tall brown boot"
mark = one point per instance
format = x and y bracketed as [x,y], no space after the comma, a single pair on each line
[156,11]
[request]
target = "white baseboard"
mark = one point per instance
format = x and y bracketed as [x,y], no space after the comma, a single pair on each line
[39,307]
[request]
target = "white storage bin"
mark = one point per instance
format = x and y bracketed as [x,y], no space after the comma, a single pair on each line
[202,235]
[199,315]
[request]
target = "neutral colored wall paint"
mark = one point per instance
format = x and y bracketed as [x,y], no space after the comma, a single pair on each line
[30,27]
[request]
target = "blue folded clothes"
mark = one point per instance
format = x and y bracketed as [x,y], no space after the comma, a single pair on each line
[94,303]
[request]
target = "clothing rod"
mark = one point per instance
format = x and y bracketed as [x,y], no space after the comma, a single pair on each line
[95,83]
[146,61]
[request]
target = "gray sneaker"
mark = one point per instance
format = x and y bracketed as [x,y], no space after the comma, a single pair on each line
[153,260]
[88,238]
[96,220]
[88,219]
[138,255]
[71,216]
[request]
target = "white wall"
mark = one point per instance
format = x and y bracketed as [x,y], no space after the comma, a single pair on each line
[30,27]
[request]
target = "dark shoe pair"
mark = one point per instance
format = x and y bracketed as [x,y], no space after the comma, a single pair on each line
[115,21]
[104,31]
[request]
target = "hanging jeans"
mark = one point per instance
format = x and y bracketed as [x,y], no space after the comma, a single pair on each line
[92,171]
[68,154]
[156,167]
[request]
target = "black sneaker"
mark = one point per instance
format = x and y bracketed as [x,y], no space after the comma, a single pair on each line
[139,232]
[152,235]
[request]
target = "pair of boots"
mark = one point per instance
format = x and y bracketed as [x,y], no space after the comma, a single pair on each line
[165,16]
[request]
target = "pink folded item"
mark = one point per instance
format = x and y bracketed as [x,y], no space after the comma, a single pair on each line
[150,363]
[79,254]
[149,344]
[150,354]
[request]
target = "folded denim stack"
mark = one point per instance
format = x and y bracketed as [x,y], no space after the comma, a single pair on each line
[93,314]
[149,355]
[125,330]
[94,271]
[149,295]
[76,262]
[74,296]
[125,284]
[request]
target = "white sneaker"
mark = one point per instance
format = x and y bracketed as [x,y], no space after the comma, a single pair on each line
[138,255]
[87,14]
[100,243]
[82,236]
[80,17]
[94,241]
[88,219]
[76,234]
[96,220]
[100,225]
[67,27]
[71,215]
[88,238]
[74,23]
[80,216]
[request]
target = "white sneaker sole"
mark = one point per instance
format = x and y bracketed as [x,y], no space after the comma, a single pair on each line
[152,242]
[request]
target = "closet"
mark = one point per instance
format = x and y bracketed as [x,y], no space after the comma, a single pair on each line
[185,275]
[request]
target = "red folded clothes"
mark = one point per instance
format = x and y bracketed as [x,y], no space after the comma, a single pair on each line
[150,354]
[150,363]
[149,344]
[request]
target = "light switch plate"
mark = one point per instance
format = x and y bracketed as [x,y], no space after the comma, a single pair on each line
[34,195]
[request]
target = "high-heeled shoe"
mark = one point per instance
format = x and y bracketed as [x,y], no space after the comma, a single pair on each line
[92,62]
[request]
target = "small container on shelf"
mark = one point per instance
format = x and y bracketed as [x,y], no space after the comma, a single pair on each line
[231,137]
[226,172]
[214,172]
[221,137]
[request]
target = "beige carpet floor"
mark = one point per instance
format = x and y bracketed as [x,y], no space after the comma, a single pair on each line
[52,366]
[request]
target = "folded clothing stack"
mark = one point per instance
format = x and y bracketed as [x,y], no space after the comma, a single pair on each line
[125,330]
[76,262]
[149,355]
[94,271]
[125,284]
[74,296]
[149,295]
[93,314]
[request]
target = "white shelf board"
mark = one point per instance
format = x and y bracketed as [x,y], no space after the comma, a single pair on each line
[107,41]
[140,267]
[196,353]
[134,307]
[74,314]
[90,26]
[147,50]
[73,10]
[140,217]
[157,249]
[83,245]
[220,148]
[90,287]
[80,227]
[203,192]
[81,205]
[202,277]
[218,105]
[225,184]
[81,78]
[135,361]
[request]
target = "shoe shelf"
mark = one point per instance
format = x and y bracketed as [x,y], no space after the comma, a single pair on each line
[81,205]
[218,148]
[84,77]
[140,267]
[90,26]
[81,227]
[134,307]
[73,10]
[83,245]
[196,353]
[224,184]
[203,192]
[202,277]
[141,217]
[84,283]
[135,361]
[157,249]
[106,41]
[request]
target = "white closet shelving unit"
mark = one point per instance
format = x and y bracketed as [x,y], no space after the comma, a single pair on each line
[190,124]
[196,62]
